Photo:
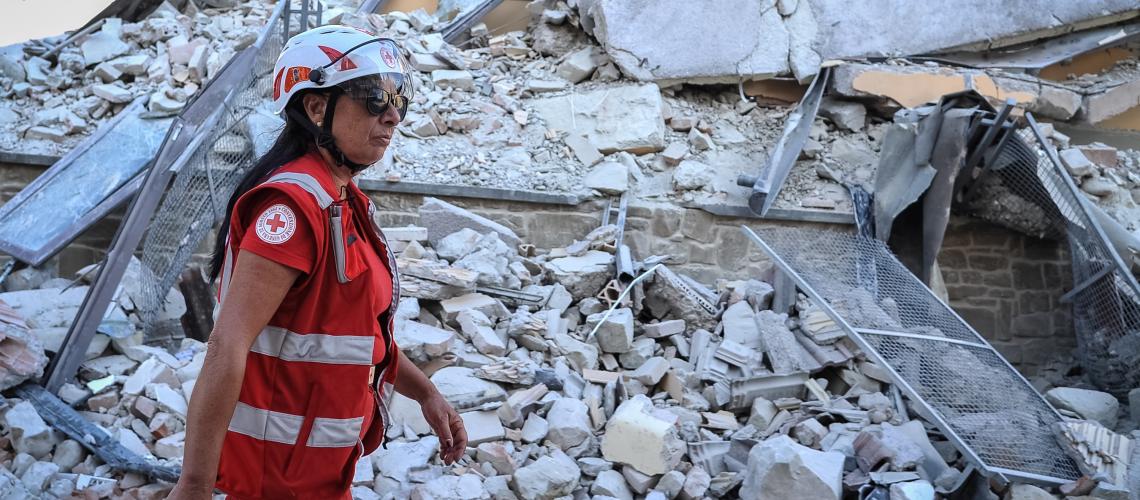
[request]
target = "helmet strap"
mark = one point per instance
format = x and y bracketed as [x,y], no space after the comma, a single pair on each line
[323,135]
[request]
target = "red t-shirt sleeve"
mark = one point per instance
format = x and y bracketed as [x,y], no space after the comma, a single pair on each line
[280,232]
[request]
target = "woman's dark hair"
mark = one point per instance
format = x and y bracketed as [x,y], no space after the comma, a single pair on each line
[292,143]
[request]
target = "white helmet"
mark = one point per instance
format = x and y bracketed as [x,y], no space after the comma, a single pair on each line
[329,55]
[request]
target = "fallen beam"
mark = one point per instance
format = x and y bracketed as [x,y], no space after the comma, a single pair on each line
[461,24]
[65,419]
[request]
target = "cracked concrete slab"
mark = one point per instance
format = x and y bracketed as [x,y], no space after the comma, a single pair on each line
[750,39]
[706,43]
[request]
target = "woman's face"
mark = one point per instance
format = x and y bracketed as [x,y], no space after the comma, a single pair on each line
[360,135]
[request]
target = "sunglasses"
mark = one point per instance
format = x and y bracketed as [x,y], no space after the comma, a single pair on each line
[376,100]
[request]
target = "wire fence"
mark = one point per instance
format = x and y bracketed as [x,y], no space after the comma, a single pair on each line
[994,416]
[198,195]
[1105,296]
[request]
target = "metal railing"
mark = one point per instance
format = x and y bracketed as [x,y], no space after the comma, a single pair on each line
[1105,295]
[992,414]
[202,186]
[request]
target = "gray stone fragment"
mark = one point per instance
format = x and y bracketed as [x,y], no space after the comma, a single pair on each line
[10,67]
[499,487]
[579,65]
[697,482]
[466,487]
[778,468]
[615,334]
[535,429]
[754,42]
[112,93]
[912,490]
[551,476]
[1091,405]
[700,141]
[608,177]
[442,218]
[29,433]
[671,483]
[459,385]
[692,174]
[847,115]
[592,466]
[610,483]
[569,423]
[1076,162]
[37,478]
[68,454]
[651,372]
[102,46]
[623,118]
[395,459]
[455,79]
[583,276]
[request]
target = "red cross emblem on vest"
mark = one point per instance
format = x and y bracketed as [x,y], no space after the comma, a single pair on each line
[276,224]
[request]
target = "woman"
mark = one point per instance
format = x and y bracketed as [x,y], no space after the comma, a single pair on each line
[302,361]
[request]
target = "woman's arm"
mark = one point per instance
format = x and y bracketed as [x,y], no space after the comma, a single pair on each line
[412,383]
[255,291]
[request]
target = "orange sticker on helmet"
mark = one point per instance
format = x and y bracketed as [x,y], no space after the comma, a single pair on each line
[295,75]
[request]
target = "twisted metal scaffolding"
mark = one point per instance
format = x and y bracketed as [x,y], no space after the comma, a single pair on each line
[1105,296]
[992,414]
[202,186]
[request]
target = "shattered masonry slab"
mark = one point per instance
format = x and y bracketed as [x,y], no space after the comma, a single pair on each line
[624,118]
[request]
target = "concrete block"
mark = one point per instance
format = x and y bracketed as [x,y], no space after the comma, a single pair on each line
[779,468]
[482,427]
[615,335]
[453,79]
[636,437]
[582,276]
[29,433]
[663,329]
[569,423]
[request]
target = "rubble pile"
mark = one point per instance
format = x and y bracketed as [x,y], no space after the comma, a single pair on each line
[58,91]
[678,390]
[548,110]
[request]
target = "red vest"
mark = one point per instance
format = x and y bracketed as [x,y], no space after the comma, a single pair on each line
[306,411]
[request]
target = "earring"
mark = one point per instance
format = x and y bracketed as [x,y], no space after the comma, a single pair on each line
[319,123]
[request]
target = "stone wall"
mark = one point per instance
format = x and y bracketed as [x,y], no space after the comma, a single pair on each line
[1008,286]
[704,246]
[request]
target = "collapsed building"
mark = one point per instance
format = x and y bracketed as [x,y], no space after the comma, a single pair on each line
[566,201]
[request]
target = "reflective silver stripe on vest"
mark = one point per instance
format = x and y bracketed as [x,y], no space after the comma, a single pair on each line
[335,432]
[266,425]
[314,347]
[306,182]
[285,428]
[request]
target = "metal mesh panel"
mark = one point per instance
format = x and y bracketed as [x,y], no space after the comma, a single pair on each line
[201,189]
[1106,297]
[994,416]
